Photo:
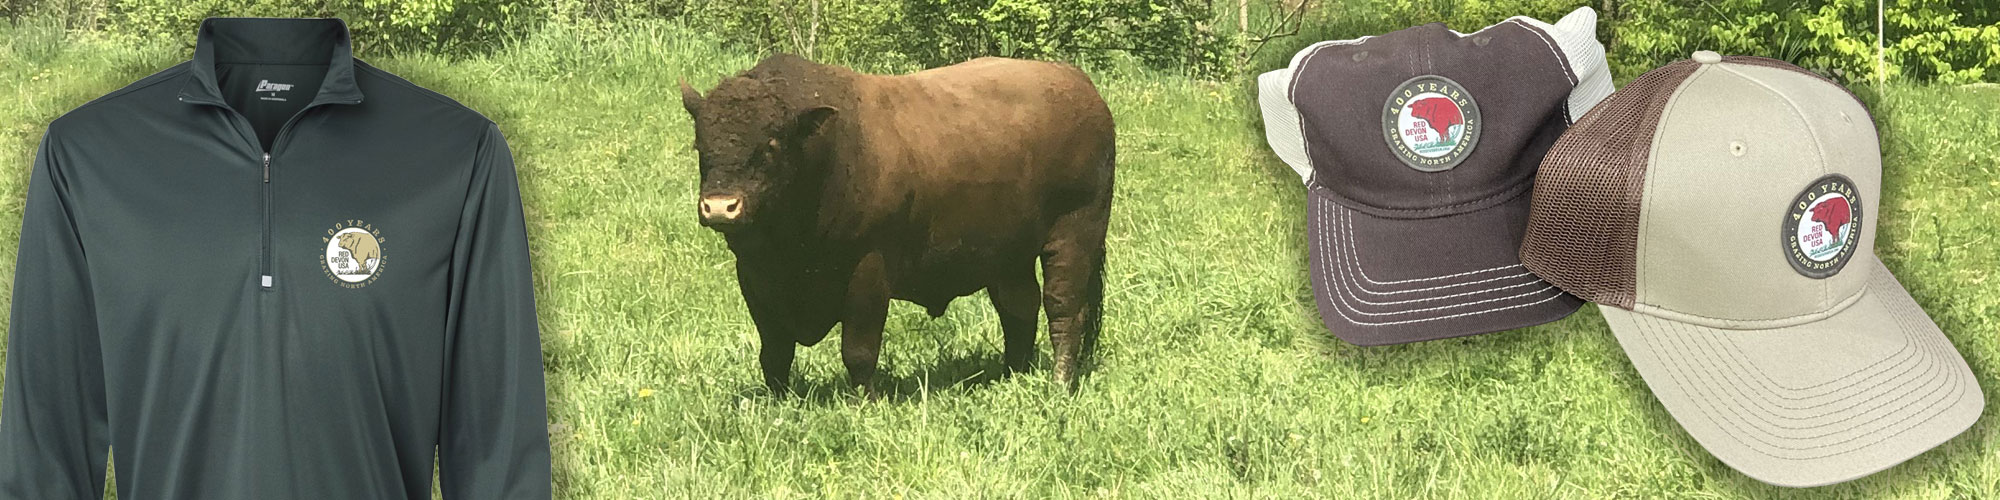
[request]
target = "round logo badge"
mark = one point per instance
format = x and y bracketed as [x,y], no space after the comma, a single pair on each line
[1823,227]
[1431,123]
[353,254]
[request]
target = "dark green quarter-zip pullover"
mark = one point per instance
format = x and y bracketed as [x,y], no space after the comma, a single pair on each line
[273,272]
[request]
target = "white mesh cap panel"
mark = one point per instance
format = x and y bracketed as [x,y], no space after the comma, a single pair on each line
[1576,34]
[1281,121]
[1282,125]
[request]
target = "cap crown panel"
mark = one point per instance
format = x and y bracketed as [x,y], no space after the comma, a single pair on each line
[1735,146]
[1514,74]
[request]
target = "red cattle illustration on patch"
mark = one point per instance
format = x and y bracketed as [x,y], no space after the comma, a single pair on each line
[1439,112]
[1833,213]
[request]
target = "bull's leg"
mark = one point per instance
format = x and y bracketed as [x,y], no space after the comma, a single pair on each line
[1073,287]
[861,323]
[777,332]
[775,356]
[1016,299]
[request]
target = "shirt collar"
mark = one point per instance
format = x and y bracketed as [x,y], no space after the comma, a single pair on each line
[273,41]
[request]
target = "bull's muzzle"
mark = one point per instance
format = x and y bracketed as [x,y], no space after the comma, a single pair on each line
[721,211]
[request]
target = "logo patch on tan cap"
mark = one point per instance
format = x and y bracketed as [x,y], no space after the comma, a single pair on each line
[1431,123]
[353,257]
[1823,227]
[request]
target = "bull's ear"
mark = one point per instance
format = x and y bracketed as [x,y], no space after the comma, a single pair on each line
[690,99]
[805,123]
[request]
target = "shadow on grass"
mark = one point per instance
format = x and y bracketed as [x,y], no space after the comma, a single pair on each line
[952,374]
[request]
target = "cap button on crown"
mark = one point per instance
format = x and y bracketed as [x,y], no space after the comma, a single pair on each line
[1707,57]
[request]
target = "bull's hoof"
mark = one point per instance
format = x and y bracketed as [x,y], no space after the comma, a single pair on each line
[1066,375]
[866,394]
[778,388]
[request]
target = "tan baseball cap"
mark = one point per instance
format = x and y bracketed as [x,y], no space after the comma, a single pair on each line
[1720,212]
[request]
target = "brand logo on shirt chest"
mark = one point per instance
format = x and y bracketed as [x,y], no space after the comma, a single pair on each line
[354,254]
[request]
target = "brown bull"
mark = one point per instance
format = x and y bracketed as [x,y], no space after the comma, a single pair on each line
[838,191]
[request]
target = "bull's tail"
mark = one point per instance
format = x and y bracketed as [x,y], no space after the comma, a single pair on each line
[1073,287]
[1093,315]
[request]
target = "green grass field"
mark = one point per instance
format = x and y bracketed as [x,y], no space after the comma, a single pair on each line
[1215,378]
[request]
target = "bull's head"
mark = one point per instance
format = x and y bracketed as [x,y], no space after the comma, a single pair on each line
[751,147]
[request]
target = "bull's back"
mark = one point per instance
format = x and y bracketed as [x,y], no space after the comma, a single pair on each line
[978,160]
[1007,127]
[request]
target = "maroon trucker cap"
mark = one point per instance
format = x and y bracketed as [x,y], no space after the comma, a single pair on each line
[1419,149]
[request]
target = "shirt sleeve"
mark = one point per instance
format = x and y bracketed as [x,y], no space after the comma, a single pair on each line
[494,442]
[53,430]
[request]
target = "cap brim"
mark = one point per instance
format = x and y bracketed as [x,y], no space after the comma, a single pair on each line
[1813,404]
[1390,281]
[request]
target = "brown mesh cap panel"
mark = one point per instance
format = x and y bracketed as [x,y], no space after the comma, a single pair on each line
[1583,227]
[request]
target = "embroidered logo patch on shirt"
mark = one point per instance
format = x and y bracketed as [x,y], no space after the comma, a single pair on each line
[353,257]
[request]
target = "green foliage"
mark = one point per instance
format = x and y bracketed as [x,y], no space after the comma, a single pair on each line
[1826,35]
[1841,40]
[1013,28]
[1943,41]
[619,9]
[67,14]
[1468,15]
[1644,34]
[453,26]
[1951,41]
[1165,34]
[1180,34]
[863,33]
[1946,41]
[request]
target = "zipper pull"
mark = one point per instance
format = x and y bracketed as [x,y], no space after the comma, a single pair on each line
[267,168]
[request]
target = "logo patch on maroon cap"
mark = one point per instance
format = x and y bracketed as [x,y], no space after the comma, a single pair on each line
[1431,123]
[1823,227]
